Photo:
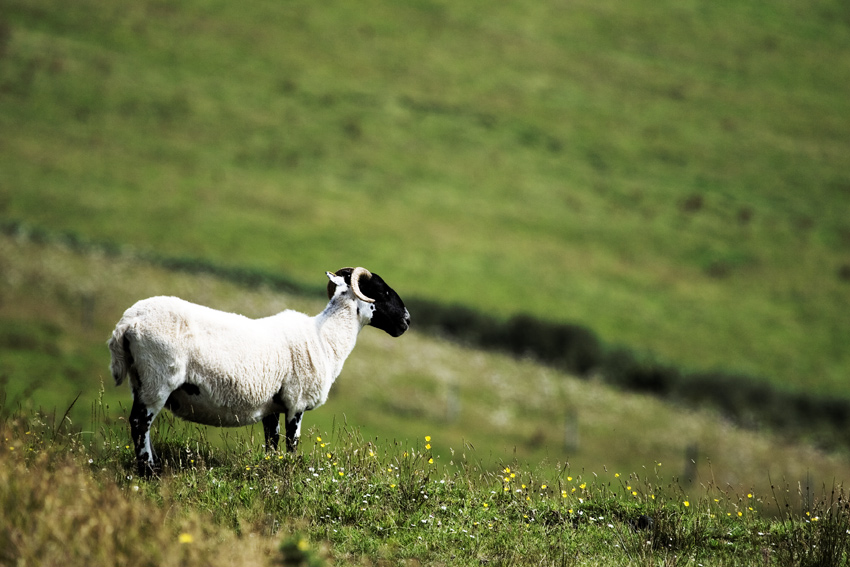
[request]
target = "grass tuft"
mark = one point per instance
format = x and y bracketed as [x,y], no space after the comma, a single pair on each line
[819,534]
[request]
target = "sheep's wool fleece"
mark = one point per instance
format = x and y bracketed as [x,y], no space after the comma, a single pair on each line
[238,364]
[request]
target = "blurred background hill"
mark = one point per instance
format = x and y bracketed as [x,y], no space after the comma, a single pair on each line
[672,176]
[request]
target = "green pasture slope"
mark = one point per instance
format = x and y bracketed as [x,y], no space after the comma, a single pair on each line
[58,307]
[674,175]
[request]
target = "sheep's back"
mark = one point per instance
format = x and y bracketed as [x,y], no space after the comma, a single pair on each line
[237,360]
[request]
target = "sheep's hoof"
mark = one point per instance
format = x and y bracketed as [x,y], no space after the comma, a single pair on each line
[146,469]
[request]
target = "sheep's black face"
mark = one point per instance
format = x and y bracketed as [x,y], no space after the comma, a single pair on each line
[390,314]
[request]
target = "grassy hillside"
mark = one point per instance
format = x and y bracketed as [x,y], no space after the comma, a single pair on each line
[348,501]
[673,175]
[57,308]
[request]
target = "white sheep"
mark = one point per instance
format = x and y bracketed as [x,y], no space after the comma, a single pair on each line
[217,368]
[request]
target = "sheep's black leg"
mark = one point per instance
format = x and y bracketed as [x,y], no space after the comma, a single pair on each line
[140,430]
[293,430]
[271,428]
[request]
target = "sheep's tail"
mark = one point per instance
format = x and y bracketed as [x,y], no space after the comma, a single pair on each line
[119,347]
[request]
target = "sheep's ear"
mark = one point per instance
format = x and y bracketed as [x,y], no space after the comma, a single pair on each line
[335,282]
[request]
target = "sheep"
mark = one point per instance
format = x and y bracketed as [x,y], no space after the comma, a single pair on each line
[216,368]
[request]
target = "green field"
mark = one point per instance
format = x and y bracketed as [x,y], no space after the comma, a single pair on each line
[675,176]
[409,462]
[66,498]
[58,307]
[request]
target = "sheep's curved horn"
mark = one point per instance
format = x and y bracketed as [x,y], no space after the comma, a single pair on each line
[355,283]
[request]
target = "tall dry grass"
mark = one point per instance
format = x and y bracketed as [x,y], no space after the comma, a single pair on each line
[58,510]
